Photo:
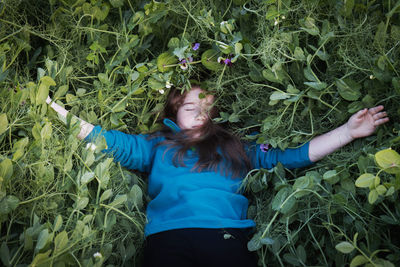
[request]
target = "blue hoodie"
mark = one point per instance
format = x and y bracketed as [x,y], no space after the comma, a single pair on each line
[183,198]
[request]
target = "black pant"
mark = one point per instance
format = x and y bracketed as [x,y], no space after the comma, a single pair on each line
[199,247]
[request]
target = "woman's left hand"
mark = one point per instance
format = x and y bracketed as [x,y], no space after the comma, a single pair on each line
[364,122]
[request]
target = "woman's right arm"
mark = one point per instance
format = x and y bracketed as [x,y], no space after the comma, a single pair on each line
[86,127]
[132,151]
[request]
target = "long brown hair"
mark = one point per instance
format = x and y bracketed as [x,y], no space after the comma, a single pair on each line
[215,145]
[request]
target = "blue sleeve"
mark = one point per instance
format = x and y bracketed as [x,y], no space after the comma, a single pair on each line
[290,158]
[134,152]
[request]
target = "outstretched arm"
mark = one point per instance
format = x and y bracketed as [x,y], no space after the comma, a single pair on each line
[361,124]
[86,127]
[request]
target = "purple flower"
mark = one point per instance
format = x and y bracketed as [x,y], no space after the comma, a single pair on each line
[195,46]
[264,147]
[228,62]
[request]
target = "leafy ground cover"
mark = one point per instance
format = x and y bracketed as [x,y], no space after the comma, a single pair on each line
[286,69]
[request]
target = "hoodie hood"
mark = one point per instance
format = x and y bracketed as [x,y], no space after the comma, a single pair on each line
[172,125]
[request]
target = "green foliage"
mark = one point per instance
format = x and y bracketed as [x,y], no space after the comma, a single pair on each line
[287,69]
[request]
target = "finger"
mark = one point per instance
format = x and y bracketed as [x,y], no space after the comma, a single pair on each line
[379,115]
[361,113]
[381,121]
[376,109]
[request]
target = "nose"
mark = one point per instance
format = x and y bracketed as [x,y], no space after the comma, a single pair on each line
[201,116]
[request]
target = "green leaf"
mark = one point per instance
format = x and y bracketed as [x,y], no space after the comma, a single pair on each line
[270,76]
[348,89]
[254,244]
[103,78]
[81,203]
[308,24]
[60,242]
[42,239]
[58,221]
[8,204]
[6,169]
[155,84]
[238,48]
[87,177]
[381,189]
[331,177]
[209,60]
[42,94]
[299,54]
[373,196]
[310,75]
[301,253]
[278,95]
[36,131]
[3,123]
[380,35]
[40,259]
[164,60]
[117,3]
[118,200]
[358,260]
[345,247]
[106,195]
[120,106]
[47,81]
[5,254]
[302,183]
[316,85]
[141,67]
[280,201]
[173,42]
[62,90]
[390,191]
[347,8]
[46,131]
[365,180]
[102,172]
[388,160]
[135,196]
[271,13]
[134,76]
[180,52]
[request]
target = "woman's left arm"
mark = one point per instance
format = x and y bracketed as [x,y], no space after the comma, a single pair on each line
[361,124]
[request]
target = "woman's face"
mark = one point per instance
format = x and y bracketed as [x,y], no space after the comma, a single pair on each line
[193,112]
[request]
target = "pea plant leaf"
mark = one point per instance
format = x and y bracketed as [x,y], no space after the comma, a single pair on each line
[348,89]
[388,160]
[365,180]
[209,60]
[3,123]
[164,60]
[345,247]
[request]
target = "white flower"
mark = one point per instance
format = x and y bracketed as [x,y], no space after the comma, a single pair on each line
[168,84]
[371,76]
[91,146]
[184,66]
[276,22]
[97,255]
[161,91]
[283,17]
[223,23]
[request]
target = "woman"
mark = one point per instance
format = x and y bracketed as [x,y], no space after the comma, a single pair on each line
[197,215]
